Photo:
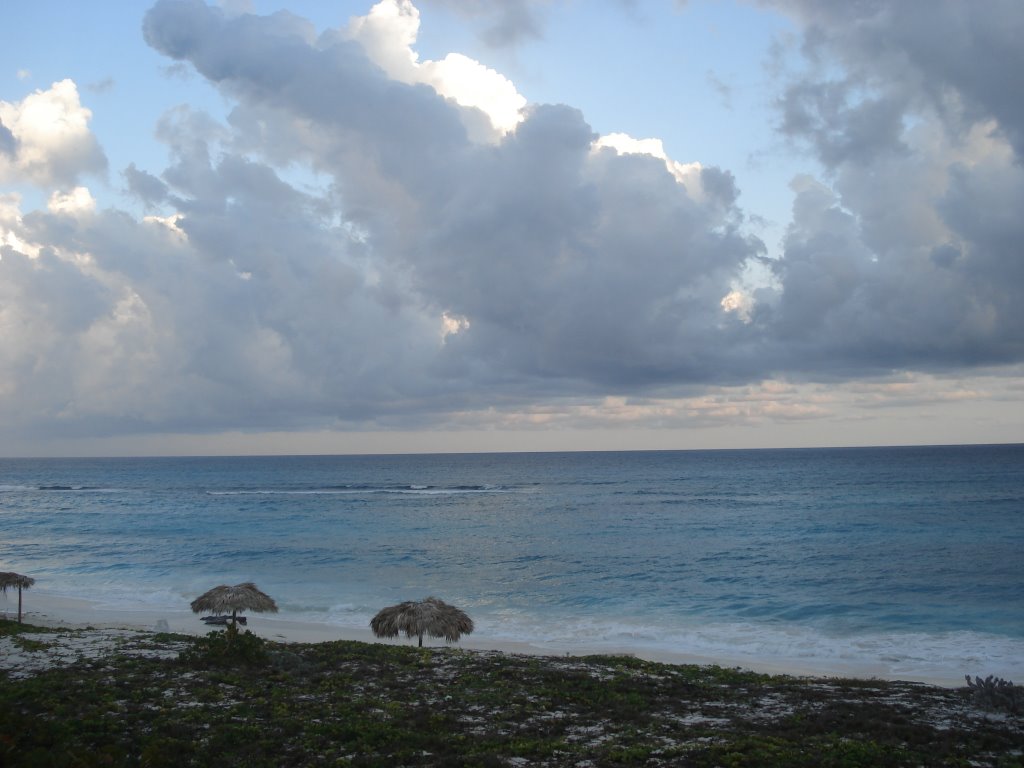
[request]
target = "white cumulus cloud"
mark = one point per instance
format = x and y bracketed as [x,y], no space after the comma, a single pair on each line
[388,33]
[48,141]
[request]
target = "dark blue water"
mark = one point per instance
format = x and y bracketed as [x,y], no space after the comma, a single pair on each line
[813,552]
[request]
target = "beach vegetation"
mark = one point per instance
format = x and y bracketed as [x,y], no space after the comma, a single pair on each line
[28,644]
[359,704]
[996,693]
[10,628]
[227,646]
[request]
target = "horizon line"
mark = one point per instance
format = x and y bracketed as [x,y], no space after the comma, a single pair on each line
[511,452]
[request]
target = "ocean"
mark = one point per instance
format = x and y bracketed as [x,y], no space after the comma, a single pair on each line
[910,557]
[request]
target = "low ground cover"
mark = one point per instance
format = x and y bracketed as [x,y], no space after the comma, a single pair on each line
[152,700]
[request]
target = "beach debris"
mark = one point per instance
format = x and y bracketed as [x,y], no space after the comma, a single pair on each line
[241,597]
[11,580]
[996,693]
[430,616]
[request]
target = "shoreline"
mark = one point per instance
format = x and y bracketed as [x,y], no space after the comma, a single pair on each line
[60,612]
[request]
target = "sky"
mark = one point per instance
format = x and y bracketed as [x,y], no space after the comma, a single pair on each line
[487,225]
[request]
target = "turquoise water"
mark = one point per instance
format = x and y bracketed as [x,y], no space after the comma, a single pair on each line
[840,553]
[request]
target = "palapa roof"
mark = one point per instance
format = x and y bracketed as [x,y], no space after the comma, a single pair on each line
[431,616]
[241,597]
[11,580]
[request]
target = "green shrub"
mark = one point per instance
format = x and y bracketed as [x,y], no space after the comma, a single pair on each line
[227,647]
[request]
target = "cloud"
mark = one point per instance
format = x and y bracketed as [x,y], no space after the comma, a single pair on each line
[79,201]
[105,85]
[507,22]
[687,174]
[8,144]
[432,274]
[366,242]
[145,186]
[949,57]
[903,257]
[45,138]
[722,87]
[388,33]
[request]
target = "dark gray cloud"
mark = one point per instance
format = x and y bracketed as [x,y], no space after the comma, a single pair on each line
[851,308]
[905,261]
[147,187]
[838,130]
[956,58]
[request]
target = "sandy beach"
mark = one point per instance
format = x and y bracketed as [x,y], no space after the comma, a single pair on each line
[45,609]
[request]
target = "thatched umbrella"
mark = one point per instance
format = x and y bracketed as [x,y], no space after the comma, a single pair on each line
[241,597]
[10,580]
[415,618]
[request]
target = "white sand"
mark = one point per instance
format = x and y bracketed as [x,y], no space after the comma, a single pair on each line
[50,610]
